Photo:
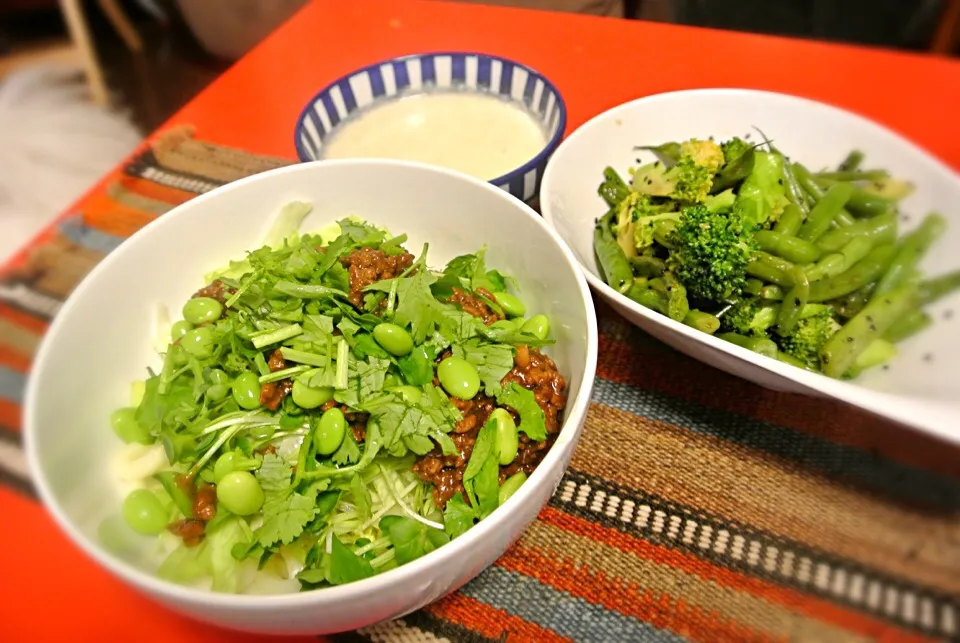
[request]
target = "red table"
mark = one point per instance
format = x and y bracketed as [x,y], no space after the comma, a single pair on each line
[595,62]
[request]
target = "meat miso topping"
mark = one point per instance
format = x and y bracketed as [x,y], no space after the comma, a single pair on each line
[216,290]
[532,370]
[474,305]
[367,266]
[272,393]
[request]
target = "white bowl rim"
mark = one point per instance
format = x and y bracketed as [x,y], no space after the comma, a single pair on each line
[894,405]
[357,589]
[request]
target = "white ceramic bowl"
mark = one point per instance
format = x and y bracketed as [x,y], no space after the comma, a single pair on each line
[921,387]
[101,341]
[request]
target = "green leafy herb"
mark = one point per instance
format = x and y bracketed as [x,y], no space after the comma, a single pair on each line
[524,402]
[493,362]
[411,539]
[458,516]
[285,511]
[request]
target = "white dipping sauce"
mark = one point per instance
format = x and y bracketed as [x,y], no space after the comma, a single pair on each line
[478,134]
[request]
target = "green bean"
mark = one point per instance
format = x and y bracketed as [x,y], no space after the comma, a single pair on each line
[393,339]
[839,352]
[852,162]
[510,486]
[823,213]
[854,175]
[754,286]
[331,428]
[772,292]
[795,193]
[144,513]
[793,302]
[790,221]
[704,322]
[538,326]
[770,268]
[793,361]
[879,230]
[246,390]
[877,353]
[912,249]
[613,189]
[645,266]
[649,298]
[908,325]
[760,345]
[677,304]
[511,304]
[864,272]
[201,310]
[459,378]
[938,287]
[843,219]
[240,493]
[507,439]
[836,263]
[787,247]
[612,261]
[849,305]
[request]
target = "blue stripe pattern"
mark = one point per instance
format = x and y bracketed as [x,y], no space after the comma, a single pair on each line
[568,616]
[83,235]
[12,384]
[896,479]
[507,79]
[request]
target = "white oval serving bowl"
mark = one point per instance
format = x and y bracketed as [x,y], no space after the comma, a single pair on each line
[922,386]
[101,341]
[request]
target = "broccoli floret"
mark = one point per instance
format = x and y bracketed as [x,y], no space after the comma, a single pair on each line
[710,252]
[734,149]
[749,317]
[689,180]
[704,153]
[636,218]
[808,336]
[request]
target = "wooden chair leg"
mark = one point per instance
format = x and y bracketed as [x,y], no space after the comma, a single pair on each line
[79,32]
[947,36]
[121,23]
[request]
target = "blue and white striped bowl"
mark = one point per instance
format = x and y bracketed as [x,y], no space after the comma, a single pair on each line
[448,70]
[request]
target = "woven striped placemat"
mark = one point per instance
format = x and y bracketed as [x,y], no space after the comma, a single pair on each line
[697,506]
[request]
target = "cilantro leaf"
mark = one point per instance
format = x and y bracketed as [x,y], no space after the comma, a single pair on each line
[349,451]
[361,496]
[458,516]
[285,511]
[419,444]
[417,366]
[361,233]
[416,304]
[487,486]
[365,381]
[456,326]
[483,449]
[493,362]
[411,539]
[524,402]
[339,567]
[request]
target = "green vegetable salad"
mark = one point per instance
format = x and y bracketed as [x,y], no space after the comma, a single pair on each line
[738,240]
[329,408]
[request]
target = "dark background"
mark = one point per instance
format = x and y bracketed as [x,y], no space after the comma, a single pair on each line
[173,66]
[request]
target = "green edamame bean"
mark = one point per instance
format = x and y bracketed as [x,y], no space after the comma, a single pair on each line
[411,394]
[240,493]
[310,397]
[510,486]
[144,512]
[393,339]
[179,329]
[261,433]
[508,441]
[511,305]
[538,326]
[509,325]
[231,461]
[216,376]
[246,390]
[201,310]
[330,431]
[198,342]
[125,425]
[217,392]
[459,378]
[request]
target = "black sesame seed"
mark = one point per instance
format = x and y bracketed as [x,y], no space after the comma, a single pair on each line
[849,339]
[747,136]
[928,357]
[886,367]
[869,319]
[948,314]
[780,181]
[825,359]
[873,328]
[797,301]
